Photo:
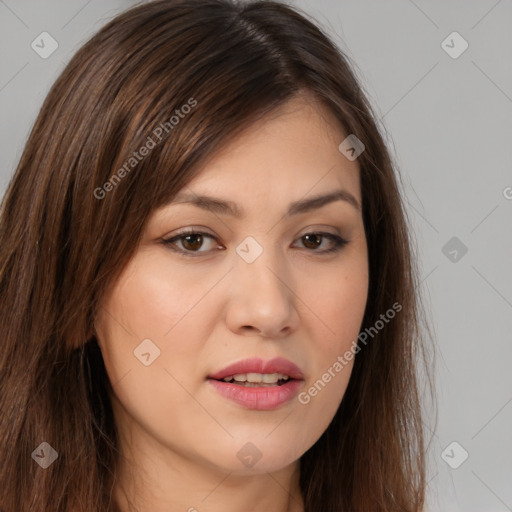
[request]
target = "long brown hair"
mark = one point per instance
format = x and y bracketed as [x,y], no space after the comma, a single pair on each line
[71,220]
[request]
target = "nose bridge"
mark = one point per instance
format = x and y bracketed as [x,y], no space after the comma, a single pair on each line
[262,299]
[259,266]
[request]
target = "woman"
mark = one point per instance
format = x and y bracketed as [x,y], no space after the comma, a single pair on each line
[208,299]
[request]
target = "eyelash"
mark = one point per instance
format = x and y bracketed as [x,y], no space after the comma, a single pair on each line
[339,243]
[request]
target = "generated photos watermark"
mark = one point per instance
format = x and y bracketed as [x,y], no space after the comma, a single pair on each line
[305,396]
[152,141]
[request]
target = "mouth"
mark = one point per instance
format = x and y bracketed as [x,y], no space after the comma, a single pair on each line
[258,371]
[257,380]
[257,384]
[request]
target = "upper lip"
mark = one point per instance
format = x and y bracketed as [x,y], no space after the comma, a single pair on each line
[256,365]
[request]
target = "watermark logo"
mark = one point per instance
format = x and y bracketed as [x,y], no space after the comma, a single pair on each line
[454,249]
[249,454]
[44,45]
[454,455]
[146,352]
[351,147]
[454,45]
[45,455]
[249,249]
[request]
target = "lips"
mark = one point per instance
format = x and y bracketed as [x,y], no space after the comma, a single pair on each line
[249,391]
[259,366]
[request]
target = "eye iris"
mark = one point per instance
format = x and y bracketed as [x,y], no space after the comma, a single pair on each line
[314,237]
[197,245]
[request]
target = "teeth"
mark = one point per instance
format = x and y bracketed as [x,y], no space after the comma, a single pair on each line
[266,378]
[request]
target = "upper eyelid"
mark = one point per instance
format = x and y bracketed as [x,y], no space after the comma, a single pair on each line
[315,228]
[205,231]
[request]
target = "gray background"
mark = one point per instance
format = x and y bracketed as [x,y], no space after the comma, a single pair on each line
[449,126]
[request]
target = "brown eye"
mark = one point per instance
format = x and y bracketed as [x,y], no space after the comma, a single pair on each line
[314,240]
[191,242]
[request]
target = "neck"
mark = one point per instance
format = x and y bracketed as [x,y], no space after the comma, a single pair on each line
[157,485]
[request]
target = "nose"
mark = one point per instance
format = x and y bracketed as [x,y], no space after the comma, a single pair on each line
[261,298]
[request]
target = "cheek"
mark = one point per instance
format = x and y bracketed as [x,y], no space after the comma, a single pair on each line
[344,306]
[146,319]
[152,300]
[339,305]
[149,318]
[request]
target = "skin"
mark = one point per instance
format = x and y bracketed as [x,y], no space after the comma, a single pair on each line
[179,437]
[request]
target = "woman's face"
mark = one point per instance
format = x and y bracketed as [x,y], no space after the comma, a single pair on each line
[258,286]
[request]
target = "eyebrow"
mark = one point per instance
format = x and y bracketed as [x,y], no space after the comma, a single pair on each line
[222,206]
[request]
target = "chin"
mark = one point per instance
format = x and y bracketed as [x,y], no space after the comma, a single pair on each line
[245,455]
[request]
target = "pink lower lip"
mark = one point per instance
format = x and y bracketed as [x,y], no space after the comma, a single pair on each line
[260,398]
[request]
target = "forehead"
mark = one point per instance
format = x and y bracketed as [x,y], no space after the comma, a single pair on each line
[293,150]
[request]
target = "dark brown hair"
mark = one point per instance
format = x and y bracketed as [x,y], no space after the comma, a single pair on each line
[62,245]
